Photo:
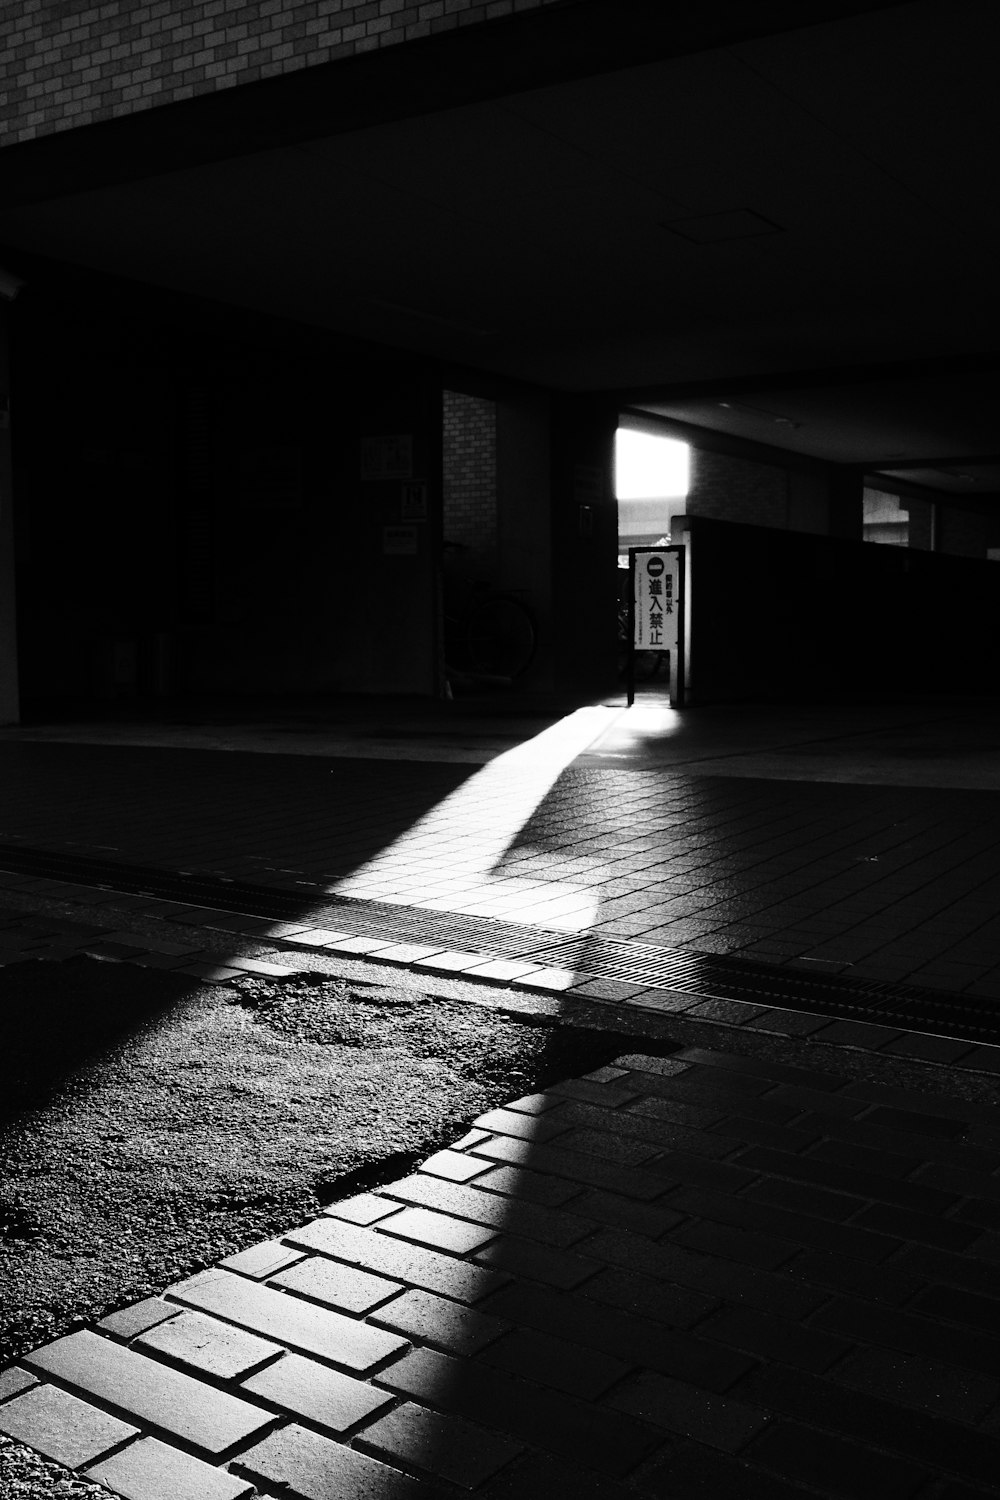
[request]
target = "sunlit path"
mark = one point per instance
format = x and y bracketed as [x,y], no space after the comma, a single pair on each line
[448,861]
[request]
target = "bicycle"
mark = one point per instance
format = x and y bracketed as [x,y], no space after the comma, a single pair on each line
[489,636]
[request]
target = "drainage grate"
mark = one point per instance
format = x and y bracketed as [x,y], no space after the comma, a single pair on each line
[684,971]
[277,904]
[711,977]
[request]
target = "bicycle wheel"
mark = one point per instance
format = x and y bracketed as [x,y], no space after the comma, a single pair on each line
[501,637]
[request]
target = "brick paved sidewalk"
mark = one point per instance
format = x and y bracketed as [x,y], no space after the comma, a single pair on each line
[881,883]
[703,1274]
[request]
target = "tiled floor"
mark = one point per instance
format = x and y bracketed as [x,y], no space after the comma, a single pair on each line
[848,875]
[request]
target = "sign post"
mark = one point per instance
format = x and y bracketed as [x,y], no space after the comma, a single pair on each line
[656,612]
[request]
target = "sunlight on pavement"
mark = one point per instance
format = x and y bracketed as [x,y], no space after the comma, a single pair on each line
[448,860]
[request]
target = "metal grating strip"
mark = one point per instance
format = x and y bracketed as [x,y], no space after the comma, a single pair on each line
[685,971]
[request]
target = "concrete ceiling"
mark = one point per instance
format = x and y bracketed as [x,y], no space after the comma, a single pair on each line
[792,238]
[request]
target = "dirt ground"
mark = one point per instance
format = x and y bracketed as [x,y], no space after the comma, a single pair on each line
[151,1124]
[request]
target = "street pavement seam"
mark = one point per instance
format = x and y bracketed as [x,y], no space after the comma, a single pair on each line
[281,950]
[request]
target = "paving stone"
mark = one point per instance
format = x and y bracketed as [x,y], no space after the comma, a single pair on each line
[935,1049]
[62,1426]
[605,1093]
[593,1437]
[847,1179]
[679,1166]
[486,1208]
[902,1223]
[263,1260]
[692,1471]
[523,1127]
[608,1329]
[364,1208]
[705,1273]
[446,1446]
[803,1199]
[438,1230]
[575,1165]
[150,1470]
[921,1436]
[793,1228]
[866,1158]
[207,1345]
[14,1380]
[744,1246]
[622,1134]
[832,1465]
[917,1122]
[396,1259]
[151,944]
[760,1067]
[555,1362]
[288,1320]
[453,1166]
[715,1420]
[311,1467]
[321,1396]
[156,961]
[530,1187]
[148,1391]
[212,973]
[268,968]
[316,937]
[439,1322]
[942,1389]
[533,1104]
[504,969]
[527,1258]
[406,953]
[609,1209]
[765,1336]
[539,1474]
[930,1264]
[861,1034]
[960,1307]
[450,961]
[679,1307]
[910,1334]
[336,1285]
[841,1274]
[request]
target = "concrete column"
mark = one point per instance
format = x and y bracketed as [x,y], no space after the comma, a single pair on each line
[9,695]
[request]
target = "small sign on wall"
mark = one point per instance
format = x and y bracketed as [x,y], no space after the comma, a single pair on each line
[399,541]
[387,457]
[413,504]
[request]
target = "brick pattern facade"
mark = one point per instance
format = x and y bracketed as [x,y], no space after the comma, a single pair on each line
[470,475]
[76,62]
[726,488]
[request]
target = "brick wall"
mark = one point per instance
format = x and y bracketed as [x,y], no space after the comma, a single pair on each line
[726,488]
[470,475]
[74,62]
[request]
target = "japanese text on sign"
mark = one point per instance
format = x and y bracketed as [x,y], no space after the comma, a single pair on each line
[656,598]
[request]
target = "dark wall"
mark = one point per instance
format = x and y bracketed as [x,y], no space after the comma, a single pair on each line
[584,546]
[782,615]
[192,512]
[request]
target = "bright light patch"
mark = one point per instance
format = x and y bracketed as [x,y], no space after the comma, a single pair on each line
[650,468]
[452,858]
